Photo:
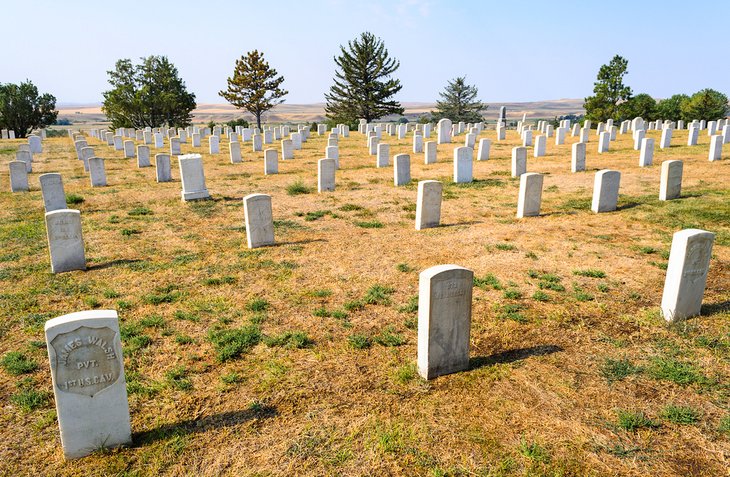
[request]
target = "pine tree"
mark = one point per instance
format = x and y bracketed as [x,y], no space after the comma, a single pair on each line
[363,86]
[459,102]
[22,109]
[610,92]
[149,94]
[252,79]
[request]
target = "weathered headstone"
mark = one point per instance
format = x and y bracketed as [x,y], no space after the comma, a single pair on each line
[428,204]
[444,320]
[417,144]
[430,152]
[443,131]
[97,172]
[605,191]
[530,198]
[259,219]
[401,169]
[213,144]
[373,145]
[296,139]
[195,138]
[639,136]
[163,170]
[715,148]
[159,141]
[271,161]
[519,161]
[257,142]
[193,177]
[540,144]
[18,176]
[383,157]
[484,148]
[128,149]
[118,143]
[65,241]
[578,160]
[326,175]
[689,262]
[143,156]
[287,149]
[646,156]
[463,166]
[36,147]
[87,372]
[175,146]
[234,152]
[526,138]
[470,140]
[666,139]
[603,142]
[670,186]
[54,197]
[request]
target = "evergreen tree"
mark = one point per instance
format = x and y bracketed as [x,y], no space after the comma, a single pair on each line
[255,86]
[22,109]
[642,105]
[149,94]
[459,103]
[609,92]
[363,86]
[706,104]
[671,108]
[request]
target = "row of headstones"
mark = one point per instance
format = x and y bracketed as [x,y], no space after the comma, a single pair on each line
[7,134]
[23,163]
[86,357]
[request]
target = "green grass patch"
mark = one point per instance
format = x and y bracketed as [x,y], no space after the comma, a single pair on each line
[290,340]
[680,414]
[298,188]
[230,344]
[590,272]
[16,363]
[359,341]
[139,210]
[511,311]
[373,224]
[487,281]
[505,247]
[540,296]
[74,199]
[257,304]
[617,369]
[679,372]
[633,420]
[177,377]
[390,337]
[378,295]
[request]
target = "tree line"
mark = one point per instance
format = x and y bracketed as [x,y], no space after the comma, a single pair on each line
[152,94]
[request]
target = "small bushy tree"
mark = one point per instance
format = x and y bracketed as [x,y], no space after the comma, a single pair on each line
[671,108]
[22,109]
[642,105]
[255,86]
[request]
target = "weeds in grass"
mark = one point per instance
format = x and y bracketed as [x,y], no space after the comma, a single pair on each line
[406,373]
[298,188]
[680,414]
[533,451]
[290,340]
[411,306]
[617,369]
[540,296]
[511,311]
[669,369]
[404,267]
[257,304]
[390,337]
[374,224]
[140,210]
[29,399]
[359,341]
[16,363]
[324,293]
[183,339]
[130,232]
[505,247]
[231,378]
[487,281]
[590,272]
[512,294]
[583,296]
[724,425]
[378,295]
[177,377]
[353,305]
[230,344]
[152,321]
[186,316]
[634,420]
[322,312]
[351,207]
[74,199]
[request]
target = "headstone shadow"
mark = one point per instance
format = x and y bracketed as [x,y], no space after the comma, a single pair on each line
[709,309]
[510,356]
[113,263]
[203,424]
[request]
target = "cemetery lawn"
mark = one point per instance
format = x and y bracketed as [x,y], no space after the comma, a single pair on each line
[299,359]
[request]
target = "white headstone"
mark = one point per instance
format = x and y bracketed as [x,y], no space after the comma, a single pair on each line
[715,148]
[54,197]
[666,138]
[326,175]
[35,144]
[578,161]
[689,262]
[646,156]
[128,148]
[97,172]
[65,241]
[430,152]
[605,191]
[463,166]
[526,138]
[639,136]
[118,143]
[540,144]
[417,144]
[175,146]
[444,320]
[159,141]
[401,169]
[259,219]
[192,176]
[530,198]
[234,152]
[143,156]
[287,149]
[87,372]
[519,161]
[163,171]
[271,161]
[382,158]
[18,176]
[296,139]
[257,142]
[604,141]
[484,148]
[670,186]
[26,158]
[428,204]
[443,131]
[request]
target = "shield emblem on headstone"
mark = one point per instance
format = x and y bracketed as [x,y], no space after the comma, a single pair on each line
[86,360]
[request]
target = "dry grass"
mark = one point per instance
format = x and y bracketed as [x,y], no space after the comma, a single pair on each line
[550,374]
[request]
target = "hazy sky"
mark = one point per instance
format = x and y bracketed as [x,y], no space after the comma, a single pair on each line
[512,50]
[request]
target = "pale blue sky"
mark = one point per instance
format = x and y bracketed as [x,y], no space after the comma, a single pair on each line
[513,51]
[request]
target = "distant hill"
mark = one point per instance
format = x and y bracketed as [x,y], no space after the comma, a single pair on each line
[91,113]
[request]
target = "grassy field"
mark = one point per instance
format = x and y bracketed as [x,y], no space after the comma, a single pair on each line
[299,359]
